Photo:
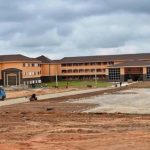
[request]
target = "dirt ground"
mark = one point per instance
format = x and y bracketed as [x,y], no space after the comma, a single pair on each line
[40,91]
[28,92]
[57,125]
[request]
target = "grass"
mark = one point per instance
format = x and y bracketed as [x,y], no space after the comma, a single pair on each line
[79,84]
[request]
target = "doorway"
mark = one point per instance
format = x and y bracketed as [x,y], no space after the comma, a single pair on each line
[12,80]
[134,77]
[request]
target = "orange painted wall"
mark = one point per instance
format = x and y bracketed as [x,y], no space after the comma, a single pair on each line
[55,69]
[0,71]
[19,65]
[51,69]
[46,70]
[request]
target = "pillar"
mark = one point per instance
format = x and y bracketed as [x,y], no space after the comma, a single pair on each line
[122,74]
[4,79]
[144,73]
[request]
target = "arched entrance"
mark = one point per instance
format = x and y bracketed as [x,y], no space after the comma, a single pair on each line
[12,76]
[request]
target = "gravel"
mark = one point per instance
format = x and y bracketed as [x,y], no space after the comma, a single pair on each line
[135,101]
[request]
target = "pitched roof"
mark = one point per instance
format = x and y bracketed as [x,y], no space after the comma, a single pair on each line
[131,64]
[102,58]
[44,59]
[17,58]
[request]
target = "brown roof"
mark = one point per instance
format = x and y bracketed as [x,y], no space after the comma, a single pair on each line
[131,64]
[44,59]
[56,61]
[103,58]
[17,57]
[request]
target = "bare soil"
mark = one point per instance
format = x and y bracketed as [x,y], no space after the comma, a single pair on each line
[58,125]
[40,91]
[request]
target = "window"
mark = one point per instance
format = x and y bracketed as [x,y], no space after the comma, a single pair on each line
[87,70]
[111,63]
[99,70]
[75,64]
[104,63]
[70,71]
[36,65]
[64,71]
[63,65]
[148,73]
[39,81]
[93,70]
[87,64]
[75,71]
[26,65]
[81,70]
[30,73]
[69,64]
[92,64]
[114,74]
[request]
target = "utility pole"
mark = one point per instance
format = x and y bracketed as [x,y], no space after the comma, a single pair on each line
[95,78]
[56,75]
[49,74]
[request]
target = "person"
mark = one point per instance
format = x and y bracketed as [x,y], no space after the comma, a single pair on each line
[67,85]
[120,84]
[33,97]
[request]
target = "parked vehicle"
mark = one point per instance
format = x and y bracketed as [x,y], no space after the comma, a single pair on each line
[2,94]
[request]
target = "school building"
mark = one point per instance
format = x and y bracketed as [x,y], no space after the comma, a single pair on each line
[19,69]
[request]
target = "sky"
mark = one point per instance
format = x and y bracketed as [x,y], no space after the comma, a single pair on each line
[63,28]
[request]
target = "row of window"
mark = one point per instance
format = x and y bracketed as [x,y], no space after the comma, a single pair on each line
[31,65]
[114,74]
[31,82]
[87,64]
[32,73]
[83,70]
[148,73]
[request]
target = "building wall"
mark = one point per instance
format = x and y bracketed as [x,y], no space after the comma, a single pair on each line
[49,72]
[45,70]
[85,69]
[137,73]
[55,69]
[29,70]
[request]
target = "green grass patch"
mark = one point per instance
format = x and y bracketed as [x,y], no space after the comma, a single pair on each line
[78,84]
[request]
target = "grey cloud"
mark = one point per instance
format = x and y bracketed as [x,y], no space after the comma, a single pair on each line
[69,27]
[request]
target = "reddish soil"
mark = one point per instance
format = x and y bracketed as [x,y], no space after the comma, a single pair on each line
[57,125]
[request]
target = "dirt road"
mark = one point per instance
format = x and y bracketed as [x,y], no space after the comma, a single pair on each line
[58,125]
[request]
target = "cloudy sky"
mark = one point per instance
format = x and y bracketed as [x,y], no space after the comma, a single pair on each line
[58,28]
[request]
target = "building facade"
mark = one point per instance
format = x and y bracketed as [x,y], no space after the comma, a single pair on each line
[19,69]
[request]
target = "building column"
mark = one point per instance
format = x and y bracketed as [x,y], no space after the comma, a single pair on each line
[7,80]
[19,78]
[144,73]
[107,74]
[4,79]
[122,74]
